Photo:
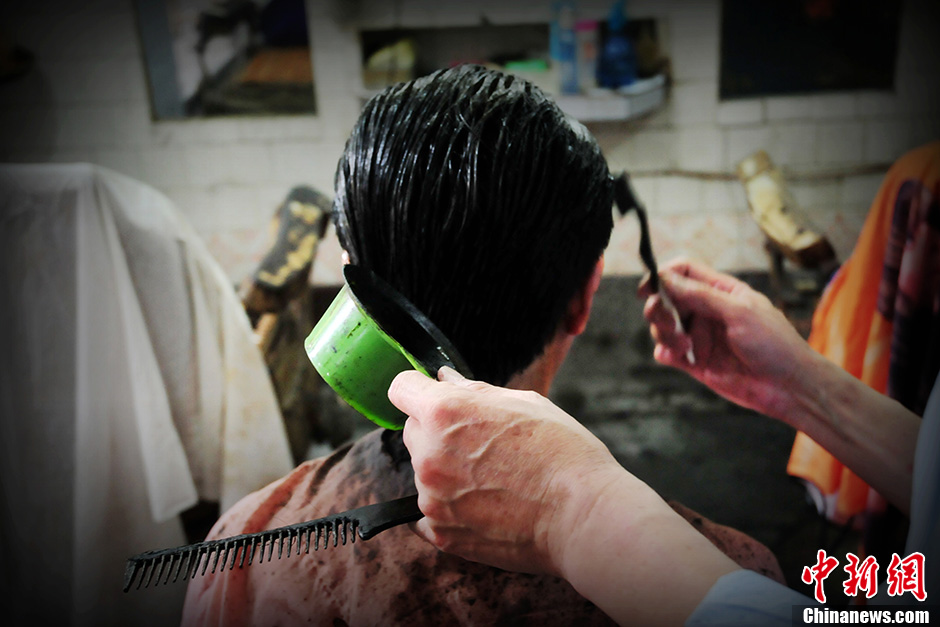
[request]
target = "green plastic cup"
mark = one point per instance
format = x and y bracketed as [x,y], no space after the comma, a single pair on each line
[368,335]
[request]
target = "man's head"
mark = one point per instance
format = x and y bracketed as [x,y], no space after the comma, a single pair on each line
[471,193]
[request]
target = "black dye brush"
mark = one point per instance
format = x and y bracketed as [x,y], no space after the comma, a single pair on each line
[627,201]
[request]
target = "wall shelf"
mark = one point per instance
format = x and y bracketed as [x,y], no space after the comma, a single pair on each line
[419,51]
[604,105]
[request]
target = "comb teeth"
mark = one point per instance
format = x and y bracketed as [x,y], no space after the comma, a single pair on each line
[169,565]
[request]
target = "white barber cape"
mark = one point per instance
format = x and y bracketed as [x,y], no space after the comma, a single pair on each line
[130,387]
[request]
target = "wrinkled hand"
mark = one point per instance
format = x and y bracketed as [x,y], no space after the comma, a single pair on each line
[500,473]
[745,349]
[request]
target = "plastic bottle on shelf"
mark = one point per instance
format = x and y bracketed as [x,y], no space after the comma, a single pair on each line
[616,66]
[564,47]
[586,36]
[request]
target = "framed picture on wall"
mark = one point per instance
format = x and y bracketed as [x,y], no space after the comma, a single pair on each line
[226,57]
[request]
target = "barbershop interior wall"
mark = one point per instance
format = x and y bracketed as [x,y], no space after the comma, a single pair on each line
[87,100]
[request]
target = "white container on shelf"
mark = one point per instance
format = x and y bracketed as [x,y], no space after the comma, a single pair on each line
[586,40]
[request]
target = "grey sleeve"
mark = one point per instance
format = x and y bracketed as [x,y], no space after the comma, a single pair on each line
[746,598]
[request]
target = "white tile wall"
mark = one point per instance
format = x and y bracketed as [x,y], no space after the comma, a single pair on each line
[679,197]
[737,112]
[721,196]
[886,138]
[694,55]
[860,190]
[840,143]
[87,100]
[925,126]
[652,148]
[877,104]
[788,108]
[793,143]
[833,106]
[815,197]
[746,140]
[695,103]
[694,18]
[699,148]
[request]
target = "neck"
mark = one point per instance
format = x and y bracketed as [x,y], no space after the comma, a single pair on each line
[540,374]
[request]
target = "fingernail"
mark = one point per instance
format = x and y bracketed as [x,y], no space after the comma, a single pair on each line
[671,277]
[446,373]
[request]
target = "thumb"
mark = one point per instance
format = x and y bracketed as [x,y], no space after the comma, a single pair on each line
[422,528]
[411,391]
[691,296]
[446,373]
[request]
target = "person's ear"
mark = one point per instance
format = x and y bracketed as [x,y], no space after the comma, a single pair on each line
[345,257]
[579,309]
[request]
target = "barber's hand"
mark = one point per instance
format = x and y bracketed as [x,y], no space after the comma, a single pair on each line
[501,474]
[745,348]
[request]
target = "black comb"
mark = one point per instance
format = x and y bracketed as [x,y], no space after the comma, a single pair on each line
[186,562]
[627,200]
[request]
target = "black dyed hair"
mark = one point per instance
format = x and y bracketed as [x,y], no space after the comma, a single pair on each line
[472,193]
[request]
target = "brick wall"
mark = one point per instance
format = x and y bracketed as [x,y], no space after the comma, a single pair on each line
[87,100]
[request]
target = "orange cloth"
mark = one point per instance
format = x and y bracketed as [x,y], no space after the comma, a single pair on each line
[864,323]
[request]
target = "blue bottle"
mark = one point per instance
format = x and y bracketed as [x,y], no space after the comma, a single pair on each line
[563,46]
[616,66]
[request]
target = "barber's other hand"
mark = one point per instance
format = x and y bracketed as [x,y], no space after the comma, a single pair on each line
[501,474]
[745,348]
